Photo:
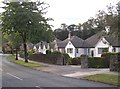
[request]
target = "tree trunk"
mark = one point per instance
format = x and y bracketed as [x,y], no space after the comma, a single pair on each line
[25,47]
[11,51]
[16,53]
[25,53]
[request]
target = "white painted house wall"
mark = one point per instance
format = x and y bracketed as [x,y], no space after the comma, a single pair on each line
[81,51]
[101,44]
[43,50]
[35,48]
[70,45]
[117,49]
[89,52]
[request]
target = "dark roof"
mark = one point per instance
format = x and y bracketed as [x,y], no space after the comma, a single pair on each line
[52,44]
[92,41]
[114,41]
[57,40]
[76,41]
[41,44]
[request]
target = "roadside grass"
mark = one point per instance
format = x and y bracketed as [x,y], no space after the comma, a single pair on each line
[105,78]
[21,62]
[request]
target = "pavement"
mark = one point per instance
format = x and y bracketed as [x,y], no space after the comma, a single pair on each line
[74,71]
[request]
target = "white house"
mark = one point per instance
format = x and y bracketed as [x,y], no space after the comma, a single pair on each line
[93,46]
[41,47]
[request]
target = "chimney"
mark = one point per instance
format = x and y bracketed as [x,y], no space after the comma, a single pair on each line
[69,35]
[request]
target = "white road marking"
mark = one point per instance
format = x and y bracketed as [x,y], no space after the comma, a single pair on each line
[1,69]
[37,86]
[14,76]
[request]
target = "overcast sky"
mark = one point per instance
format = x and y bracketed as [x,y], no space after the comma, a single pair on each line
[75,11]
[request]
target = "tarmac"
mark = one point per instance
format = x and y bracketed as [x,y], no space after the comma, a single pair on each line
[74,71]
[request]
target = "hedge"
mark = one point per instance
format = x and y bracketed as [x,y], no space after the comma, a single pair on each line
[97,62]
[114,60]
[74,61]
[43,58]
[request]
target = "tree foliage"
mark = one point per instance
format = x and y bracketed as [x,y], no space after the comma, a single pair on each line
[25,18]
[107,21]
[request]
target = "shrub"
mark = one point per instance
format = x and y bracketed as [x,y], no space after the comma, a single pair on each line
[66,57]
[113,59]
[56,53]
[32,51]
[97,62]
[76,61]
[69,61]
[48,52]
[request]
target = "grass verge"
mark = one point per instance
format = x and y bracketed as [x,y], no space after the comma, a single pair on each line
[21,62]
[105,78]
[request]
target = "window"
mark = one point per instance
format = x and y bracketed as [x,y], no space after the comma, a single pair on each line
[102,50]
[70,50]
[114,49]
[77,50]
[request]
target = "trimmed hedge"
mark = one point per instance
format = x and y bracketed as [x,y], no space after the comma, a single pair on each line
[43,58]
[74,61]
[114,60]
[97,62]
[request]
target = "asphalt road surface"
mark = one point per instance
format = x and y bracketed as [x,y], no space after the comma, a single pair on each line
[14,75]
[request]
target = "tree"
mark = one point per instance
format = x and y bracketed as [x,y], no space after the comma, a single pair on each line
[25,18]
[14,41]
[61,33]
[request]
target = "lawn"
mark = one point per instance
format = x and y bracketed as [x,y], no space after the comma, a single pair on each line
[105,78]
[21,62]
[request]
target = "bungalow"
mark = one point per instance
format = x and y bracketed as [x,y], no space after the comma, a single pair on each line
[93,46]
[41,47]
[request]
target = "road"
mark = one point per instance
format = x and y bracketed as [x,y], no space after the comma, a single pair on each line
[14,75]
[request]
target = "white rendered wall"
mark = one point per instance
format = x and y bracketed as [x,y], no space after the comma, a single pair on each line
[70,45]
[101,44]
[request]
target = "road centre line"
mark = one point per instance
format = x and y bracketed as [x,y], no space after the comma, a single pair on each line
[14,76]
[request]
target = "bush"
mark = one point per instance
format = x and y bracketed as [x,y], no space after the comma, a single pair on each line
[48,52]
[76,61]
[113,59]
[56,53]
[66,57]
[97,62]
[69,61]
[32,51]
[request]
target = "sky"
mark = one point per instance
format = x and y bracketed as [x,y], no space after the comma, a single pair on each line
[73,11]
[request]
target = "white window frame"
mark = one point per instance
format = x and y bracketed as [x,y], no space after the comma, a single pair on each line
[69,50]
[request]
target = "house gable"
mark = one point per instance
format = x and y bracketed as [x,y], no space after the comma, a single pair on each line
[70,49]
[102,46]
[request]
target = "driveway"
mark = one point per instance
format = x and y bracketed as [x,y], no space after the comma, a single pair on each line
[74,71]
